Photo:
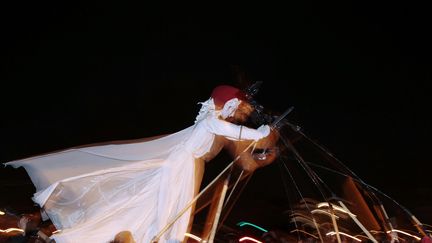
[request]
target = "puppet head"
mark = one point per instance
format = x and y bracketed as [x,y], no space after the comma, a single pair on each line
[224,101]
[224,93]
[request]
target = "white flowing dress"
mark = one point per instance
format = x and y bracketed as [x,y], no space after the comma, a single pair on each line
[92,193]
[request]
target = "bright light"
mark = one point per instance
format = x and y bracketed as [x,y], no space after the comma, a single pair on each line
[243,223]
[251,239]
[193,237]
[11,229]
[345,234]
[2,213]
[57,231]
[405,233]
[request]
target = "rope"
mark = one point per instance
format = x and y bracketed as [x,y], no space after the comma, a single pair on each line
[417,223]
[234,187]
[301,195]
[216,219]
[167,226]
[315,178]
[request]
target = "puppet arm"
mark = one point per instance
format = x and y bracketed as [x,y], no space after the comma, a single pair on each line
[236,132]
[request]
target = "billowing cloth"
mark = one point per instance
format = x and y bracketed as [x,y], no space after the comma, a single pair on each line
[92,193]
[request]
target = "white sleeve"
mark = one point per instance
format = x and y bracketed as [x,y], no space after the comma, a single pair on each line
[236,132]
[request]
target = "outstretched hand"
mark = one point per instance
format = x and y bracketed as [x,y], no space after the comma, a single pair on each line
[263,153]
[266,150]
[268,142]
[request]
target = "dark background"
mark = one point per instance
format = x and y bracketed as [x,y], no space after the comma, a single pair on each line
[358,75]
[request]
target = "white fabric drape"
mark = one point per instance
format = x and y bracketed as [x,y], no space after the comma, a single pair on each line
[92,193]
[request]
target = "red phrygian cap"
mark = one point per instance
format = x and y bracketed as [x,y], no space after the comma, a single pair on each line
[222,93]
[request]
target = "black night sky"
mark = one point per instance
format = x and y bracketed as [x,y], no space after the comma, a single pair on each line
[358,74]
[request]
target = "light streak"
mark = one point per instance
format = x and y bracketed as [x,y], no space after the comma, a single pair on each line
[335,207]
[304,232]
[11,229]
[57,231]
[362,236]
[323,212]
[345,234]
[193,237]
[305,221]
[403,232]
[243,223]
[249,238]
[2,213]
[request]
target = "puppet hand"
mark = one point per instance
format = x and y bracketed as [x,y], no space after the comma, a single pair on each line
[266,157]
[264,130]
